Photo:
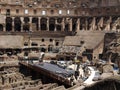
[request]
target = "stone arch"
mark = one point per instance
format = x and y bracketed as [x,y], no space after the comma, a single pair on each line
[35,21]
[52,24]
[17,24]
[43,24]
[9,24]
[1,27]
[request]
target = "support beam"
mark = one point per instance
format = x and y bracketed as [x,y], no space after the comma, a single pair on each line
[55,24]
[78,24]
[39,23]
[13,24]
[63,24]
[70,23]
[22,23]
[31,26]
[4,27]
[47,23]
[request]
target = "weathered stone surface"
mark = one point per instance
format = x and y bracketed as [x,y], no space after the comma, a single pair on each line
[108,69]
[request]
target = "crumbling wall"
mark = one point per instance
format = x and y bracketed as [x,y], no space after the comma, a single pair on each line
[111,46]
[108,84]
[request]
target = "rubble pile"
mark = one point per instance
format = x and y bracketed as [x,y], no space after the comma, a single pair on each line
[17,81]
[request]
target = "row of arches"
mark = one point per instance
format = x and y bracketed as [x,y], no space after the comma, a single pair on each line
[25,25]
[52,24]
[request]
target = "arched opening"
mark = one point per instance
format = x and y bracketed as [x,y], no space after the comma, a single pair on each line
[2,51]
[1,27]
[26,19]
[17,51]
[97,22]
[52,11]
[58,27]
[43,25]
[51,27]
[106,18]
[67,27]
[57,43]
[43,49]
[114,18]
[74,21]
[35,22]
[8,27]
[50,48]
[17,24]
[51,24]
[59,20]
[9,52]
[8,24]
[90,19]
[98,19]
[82,23]
[34,44]
[74,27]
[26,27]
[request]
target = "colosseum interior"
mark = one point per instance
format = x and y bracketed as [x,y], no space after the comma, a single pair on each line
[61,29]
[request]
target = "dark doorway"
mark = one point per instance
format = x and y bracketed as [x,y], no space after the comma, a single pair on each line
[35,21]
[58,27]
[90,19]
[43,49]
[17,24]
[50,48]
[9,52]
[51,24]
[1,27]
[59,20]
[43,25]
[82,23]
[26,27]
[26,19]
[67,27]
[8,24]
[51,27]
[74,27]
[8,27]
[74,21]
